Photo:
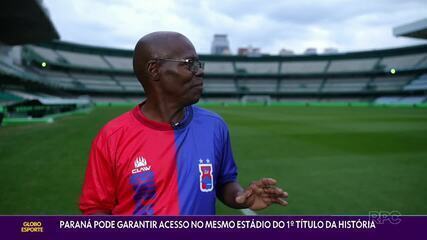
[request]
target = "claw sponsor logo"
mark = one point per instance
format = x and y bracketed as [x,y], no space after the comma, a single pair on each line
[140,165]
[143,183]
[32,226]
[206,176]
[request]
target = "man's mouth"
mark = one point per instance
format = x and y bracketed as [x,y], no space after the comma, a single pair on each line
[198,85]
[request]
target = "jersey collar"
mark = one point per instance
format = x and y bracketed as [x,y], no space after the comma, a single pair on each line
[162,126]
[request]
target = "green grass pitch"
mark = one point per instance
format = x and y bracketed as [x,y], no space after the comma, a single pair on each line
[331,160]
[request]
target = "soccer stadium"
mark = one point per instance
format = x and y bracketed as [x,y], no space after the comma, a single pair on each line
[344,133]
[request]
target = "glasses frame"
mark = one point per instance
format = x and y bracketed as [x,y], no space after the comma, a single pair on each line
[193,65]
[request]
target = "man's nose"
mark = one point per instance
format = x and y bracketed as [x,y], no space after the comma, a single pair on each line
[200,72]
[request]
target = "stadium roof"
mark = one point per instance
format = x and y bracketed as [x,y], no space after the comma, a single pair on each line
[416,29]
[25,21]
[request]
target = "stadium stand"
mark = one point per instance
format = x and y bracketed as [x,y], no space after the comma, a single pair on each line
[35,64]
[394,83]
[7,97]
[352,65]
[217,85]
[303,67]
[257,85]
[119,63]
[345,85]
[83,59]
[300,85]
[419,83]
[96,82]
[403,62]
[60,79]
[219,67]
[49,54]
[399,100]
[129,83]
[106,73]
[412,100]
[257,67]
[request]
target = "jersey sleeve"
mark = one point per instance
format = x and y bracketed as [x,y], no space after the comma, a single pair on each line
[98,193]
[228,171]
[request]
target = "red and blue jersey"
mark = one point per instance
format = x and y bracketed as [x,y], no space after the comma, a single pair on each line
[141,167]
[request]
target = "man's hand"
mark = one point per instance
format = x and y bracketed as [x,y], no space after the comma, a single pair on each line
[261,194]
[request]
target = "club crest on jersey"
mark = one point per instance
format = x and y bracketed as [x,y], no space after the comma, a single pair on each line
[206,176]
[140,165]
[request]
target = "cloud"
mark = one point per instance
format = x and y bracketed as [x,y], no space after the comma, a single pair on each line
[348,25]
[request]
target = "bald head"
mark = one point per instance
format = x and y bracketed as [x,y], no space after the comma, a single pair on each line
[152,46]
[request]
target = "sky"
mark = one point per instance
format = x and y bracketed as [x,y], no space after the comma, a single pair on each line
[348,25]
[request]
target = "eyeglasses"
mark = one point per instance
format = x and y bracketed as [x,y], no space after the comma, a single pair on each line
[193,65]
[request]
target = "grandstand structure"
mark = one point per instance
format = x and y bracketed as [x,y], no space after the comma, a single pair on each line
[106,74]
[35,64]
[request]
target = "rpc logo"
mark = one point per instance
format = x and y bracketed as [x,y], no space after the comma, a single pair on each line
[381,217]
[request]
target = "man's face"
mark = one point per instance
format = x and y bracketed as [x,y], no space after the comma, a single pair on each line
[178,81]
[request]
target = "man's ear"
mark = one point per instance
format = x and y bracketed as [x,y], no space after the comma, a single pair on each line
[153,69]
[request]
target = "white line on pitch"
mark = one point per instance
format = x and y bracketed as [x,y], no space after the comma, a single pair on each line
[248,212]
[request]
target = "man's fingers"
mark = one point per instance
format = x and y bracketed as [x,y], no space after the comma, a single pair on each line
[276,192]
[267,200]
[256,188]
[272,196]
[248,193]
[265,182]
[279,201]
[266,190]
[259,186]
[268,181]
[241,198]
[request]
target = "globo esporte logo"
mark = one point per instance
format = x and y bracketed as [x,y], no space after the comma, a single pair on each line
[32,226]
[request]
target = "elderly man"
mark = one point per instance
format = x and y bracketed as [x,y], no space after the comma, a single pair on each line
[166,156]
